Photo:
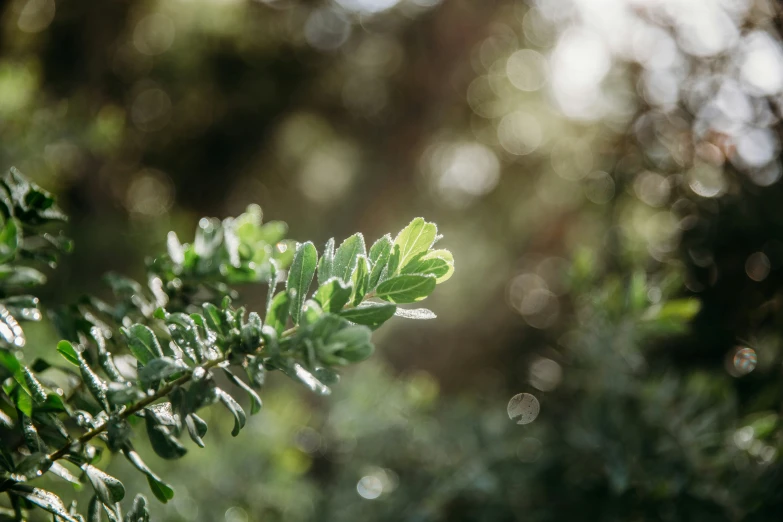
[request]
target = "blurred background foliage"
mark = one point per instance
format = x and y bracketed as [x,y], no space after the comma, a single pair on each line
[606,173]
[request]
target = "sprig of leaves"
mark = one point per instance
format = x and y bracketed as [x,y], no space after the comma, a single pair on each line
[157,350]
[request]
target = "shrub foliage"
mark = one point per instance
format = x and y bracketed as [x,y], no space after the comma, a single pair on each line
[152,355]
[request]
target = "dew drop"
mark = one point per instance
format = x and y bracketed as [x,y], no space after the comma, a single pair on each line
[523,408]
[745,360]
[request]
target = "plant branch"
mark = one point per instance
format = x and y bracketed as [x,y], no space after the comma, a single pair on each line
[168,388]
[165,390]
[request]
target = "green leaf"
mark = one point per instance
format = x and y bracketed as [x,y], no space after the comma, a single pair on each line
[142,343]
[392,267]
[10,238]
[184,331]
[251,333]
[34,465]
[277,316]
[161,368]
[197,428]
[21,276]
[326,263]
[94,510]
[370,314]
[300,276]
[34,386]
[439,263]
[62,472]
[236,410]
[67,350]
[379,255]
[160,489]
[255,400]
[96,386]
[9,361]
[23,401]
[109,489]
[346,255]
[215,320]
[45,500]
[119,393]
[360,280]
[256,372]
[139,511]
[271,283]
[407,288]
[162,440]
[299,373]
[332,295]
[415,239]
[348,345]
[23,307]
[311,311]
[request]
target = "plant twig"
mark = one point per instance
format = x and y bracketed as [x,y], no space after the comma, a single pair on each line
[60,453]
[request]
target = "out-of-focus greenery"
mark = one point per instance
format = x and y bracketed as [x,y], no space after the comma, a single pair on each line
[598,168]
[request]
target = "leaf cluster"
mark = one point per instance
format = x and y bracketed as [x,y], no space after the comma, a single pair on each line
[160,352]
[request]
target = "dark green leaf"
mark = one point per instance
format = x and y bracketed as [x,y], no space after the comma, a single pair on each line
[123,393]
[162,440]
[236,410]
[45,500]
[255,400]
[197,428]
[184,331]
[96,386]
[214,319]
[160,489]
[143,343]
[256,372]
[94,510]
[161,368]
[36,389]
[139,512]
[108,488]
